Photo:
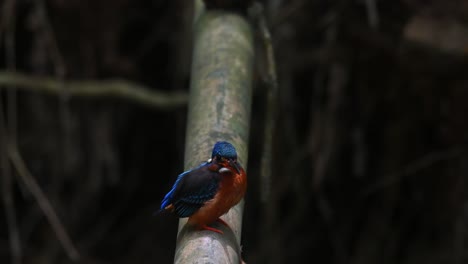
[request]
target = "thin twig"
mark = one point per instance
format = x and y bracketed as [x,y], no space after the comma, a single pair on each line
[325,126]
[412,168]
[7,194]
[10,58]
[111,88]
[271,97]
[372,13]
[45,205]
[60,71]
[56,56]
[8,135]
[9,9]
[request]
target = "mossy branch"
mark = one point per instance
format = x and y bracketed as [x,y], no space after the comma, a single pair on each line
[219,109]
[115,88]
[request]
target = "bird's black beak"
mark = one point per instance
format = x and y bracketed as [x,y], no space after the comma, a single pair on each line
[235,165]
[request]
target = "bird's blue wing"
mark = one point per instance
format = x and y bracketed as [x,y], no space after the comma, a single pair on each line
[168,198]
[191,190]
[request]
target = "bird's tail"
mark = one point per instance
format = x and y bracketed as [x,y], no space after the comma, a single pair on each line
[167,209]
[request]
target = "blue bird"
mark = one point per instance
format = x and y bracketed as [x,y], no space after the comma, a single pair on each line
[208,191]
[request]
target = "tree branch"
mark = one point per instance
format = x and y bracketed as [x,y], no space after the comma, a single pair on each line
[32,185]
[115,88]
[412,169]
[219,109]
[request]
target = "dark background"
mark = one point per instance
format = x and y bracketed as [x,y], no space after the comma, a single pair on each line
[370,143]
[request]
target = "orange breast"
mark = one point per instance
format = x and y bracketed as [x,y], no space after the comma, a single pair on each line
[231,190]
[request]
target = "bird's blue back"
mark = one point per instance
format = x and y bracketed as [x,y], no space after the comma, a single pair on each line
[192,189]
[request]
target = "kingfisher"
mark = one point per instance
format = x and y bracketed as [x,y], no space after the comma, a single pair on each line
[206,192]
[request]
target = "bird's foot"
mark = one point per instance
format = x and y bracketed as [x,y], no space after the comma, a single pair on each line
[205,227]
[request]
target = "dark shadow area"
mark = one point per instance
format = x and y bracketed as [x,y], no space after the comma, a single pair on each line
[370,143]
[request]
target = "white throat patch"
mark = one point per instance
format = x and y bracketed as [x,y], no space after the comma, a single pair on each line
[224,170]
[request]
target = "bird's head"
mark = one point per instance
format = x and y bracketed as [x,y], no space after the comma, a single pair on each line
[225,155]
